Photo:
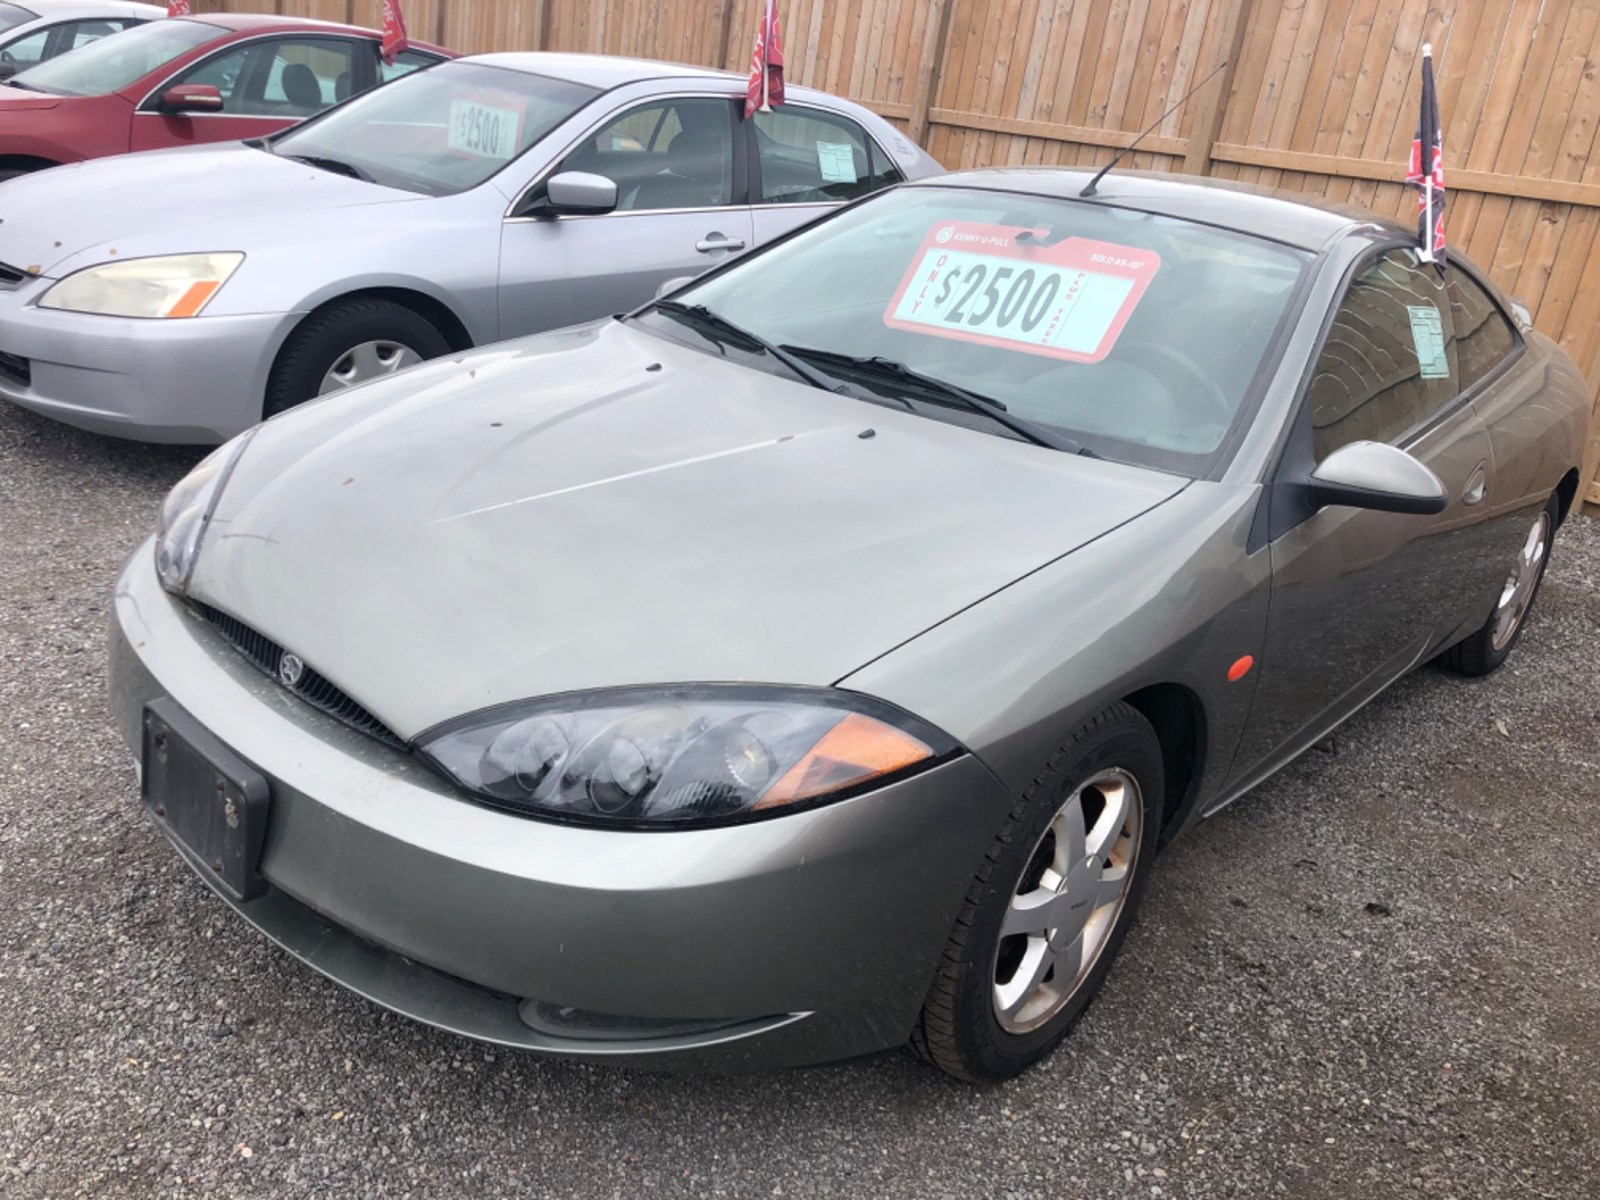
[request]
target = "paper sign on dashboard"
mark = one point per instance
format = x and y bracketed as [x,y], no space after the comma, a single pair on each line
[982,283]
[837,162]
[486,130]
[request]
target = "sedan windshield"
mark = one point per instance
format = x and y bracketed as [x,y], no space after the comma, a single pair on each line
[11,16]
[1133,335]
[439,131]
[112,63]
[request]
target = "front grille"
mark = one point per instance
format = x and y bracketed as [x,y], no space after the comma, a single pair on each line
[311,687]
[11,276]
[16,369]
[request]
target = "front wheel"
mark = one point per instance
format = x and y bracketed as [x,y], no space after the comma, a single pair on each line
[349,343]
[1050,906]
[1486,648]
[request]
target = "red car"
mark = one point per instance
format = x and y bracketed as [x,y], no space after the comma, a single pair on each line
[177,82]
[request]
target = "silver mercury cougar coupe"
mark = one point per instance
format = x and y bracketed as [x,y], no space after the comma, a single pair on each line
[814,659]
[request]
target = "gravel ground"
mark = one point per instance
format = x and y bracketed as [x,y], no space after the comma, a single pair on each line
[1378,975]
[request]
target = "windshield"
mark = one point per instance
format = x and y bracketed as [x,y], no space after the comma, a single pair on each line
[112,63]
[1137,336]
[11,16]
[439,131]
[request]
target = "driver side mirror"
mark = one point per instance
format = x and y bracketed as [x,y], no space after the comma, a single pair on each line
[1377,476]
[578,193]
[190,98]
[8,69]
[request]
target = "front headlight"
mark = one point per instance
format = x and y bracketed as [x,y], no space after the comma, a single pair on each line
[187,510]
[177,285]
[676,756]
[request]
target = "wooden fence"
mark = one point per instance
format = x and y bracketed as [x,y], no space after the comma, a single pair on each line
[1319,96]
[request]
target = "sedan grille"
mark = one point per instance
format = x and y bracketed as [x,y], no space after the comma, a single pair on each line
[17,370]
[311,687]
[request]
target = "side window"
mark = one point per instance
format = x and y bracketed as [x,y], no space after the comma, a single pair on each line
[812,157]
[884,172]
[1483,335]
[404,63]
[26,51]
[81,33]
[671,154]
[225,72]
[304,77]
[1389,362]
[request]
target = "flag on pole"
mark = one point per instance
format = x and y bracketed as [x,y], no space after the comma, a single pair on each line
[394,32]
[1427,169]
[178,8]
[766,65]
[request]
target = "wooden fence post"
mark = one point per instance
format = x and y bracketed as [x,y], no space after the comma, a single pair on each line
[441,14]
[725,36]
[1213,101]
[936,48]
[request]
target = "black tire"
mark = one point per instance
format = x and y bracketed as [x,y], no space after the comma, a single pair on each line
[1477,654]
[328,334]
[959,1031]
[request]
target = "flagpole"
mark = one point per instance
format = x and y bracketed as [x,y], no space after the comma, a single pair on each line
[766,67]
[1428,170]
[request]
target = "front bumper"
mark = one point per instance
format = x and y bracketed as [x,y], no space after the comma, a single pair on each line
[194,381]
[799,939]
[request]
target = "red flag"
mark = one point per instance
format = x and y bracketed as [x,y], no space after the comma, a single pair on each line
[766,65]
[178,8]
[1426,172]
[394,32]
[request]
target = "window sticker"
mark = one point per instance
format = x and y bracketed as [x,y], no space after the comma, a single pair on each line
[485,130]
[838,162]
[988,284]
[1427,334]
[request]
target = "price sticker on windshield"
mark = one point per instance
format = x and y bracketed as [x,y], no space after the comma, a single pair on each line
[485,130]
[1002,285]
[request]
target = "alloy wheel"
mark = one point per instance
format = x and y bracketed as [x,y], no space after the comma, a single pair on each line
[1517,594]
[1068,900]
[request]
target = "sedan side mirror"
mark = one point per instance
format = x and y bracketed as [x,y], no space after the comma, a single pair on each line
[673,285]
[191,98]
[8,69]
[1377,476]
[578,193]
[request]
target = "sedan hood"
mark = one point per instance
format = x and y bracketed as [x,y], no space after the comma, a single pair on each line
[199,198]
[601,506]
[15,99]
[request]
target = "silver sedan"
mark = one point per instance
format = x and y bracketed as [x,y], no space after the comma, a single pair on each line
[36,30]
[815,659]
[480,200]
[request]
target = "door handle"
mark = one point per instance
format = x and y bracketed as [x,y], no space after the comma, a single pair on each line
[1477,485]
[718,242]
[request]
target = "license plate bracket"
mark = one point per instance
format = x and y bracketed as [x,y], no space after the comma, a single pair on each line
[209,801]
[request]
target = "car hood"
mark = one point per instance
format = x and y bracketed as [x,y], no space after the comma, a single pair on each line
[15,99]
[601,506]
[200,198]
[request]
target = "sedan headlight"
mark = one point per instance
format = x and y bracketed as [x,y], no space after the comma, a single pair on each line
[706,754]
[187,510]
[177,285]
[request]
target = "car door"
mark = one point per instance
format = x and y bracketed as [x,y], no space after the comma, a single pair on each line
[1358,596]
[806,162]
[682,207]
[266,84]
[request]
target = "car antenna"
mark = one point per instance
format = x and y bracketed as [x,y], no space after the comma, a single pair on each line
[1128,149]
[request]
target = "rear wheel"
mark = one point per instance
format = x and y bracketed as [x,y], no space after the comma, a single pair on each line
[349,343]
[1050,906]
[1488,647]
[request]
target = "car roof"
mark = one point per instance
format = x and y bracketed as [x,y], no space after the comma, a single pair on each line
[598,70]
[55,9]
[270,23]
[1283,216]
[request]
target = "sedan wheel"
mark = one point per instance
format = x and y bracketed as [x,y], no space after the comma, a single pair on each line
[366,362]
[1067,901]
[1489,646]
[1051,904]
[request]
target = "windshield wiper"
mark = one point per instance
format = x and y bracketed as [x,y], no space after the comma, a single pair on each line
[887,368]
[337,165]
[714,320]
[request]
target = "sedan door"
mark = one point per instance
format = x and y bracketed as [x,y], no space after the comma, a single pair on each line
[682,207]
[1358,596]
[806,162]
[267,84]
